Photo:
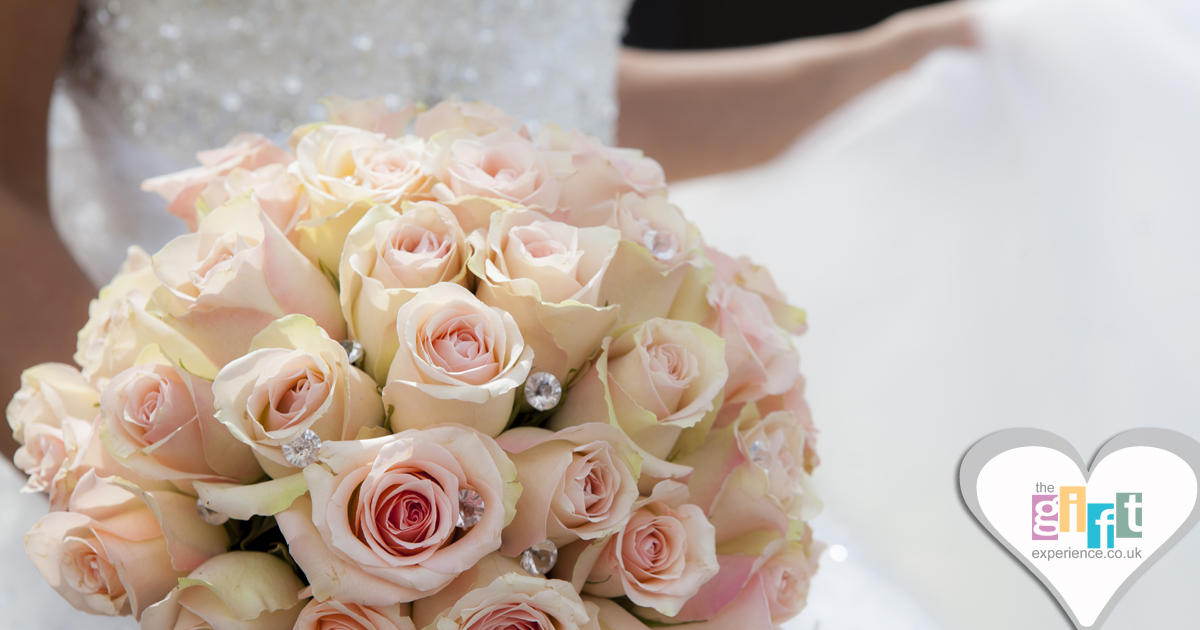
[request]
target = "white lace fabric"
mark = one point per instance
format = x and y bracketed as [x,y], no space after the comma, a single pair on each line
[152,82]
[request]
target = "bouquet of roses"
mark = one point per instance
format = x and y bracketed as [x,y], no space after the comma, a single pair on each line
[426,371]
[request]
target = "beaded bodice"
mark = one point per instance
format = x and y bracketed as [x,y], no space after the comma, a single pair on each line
[155,80]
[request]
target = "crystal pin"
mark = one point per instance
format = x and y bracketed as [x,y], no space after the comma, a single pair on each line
[760,453]
[354,351]
[543,391]
[209,515]
[470,508]
[661,244]
[540,558]
[303,450]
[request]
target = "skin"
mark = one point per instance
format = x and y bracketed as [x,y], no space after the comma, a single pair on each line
[696,112]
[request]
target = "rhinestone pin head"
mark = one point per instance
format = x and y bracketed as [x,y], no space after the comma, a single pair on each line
[760,454]
[543,391]
[209,515]
[470,508]
[354,351]
[661,244]
[303,450]
[540,558]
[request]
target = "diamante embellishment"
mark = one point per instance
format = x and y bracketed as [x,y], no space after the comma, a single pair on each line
[354,351]
[540,558]
[760,454]
[208,515]
[543,391]
[303,450]
[470,508]
[661,244]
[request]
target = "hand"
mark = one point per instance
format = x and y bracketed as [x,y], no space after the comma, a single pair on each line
[933,26]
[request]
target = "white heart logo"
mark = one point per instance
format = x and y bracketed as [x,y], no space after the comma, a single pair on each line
[1086,534]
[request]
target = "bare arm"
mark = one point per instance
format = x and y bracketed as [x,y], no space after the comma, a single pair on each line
[43,294]
[705,112]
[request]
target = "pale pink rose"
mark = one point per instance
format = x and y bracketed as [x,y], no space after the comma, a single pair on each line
[459,360]
[477,117]
[370,114]
[120,549]
[50,393]
[514,601]
[502,165]
[235,591]
[662,556]
[380,526]
[548,276]
[761,358]
[577,484]
[388,258]
[119,326]
[293,379]
[48,453]
[654,381]
[660,228]
[334,615]
[602,173]
[756,279]
[236,275]
[247,151]
[612,616]
[750,476]
[159,421]
[277,191]
[793,402]
[341,165]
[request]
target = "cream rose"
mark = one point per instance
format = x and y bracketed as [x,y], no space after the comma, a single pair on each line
[236,275]
[761,358]
[158,421]
[49,394]
[119,327]
[387,259]
[120,549]
[459,360]
[548,276]
[502,164]
[247,151]
[477,117]
[519,601]
[294,379]
[750,476]
[277,191]
[578,483]
[654,381]
[340,165]
[334,615]
[381,524]
[240,589]
[662,556]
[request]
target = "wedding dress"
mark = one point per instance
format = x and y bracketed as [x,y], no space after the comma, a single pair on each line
[1002,237]
[150,83]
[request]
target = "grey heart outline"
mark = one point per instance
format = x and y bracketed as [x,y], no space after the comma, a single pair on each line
[989,447]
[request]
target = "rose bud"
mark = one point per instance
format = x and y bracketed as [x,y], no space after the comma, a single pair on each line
[387,259]
[547,275]
[240,589]
[247,151]
[120,549]
[578,483]
[502,164]
[660,559]
[236,275]
[294,379]
[662,377]
[381,525]
[750,476]
[158,421]
[459,360]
